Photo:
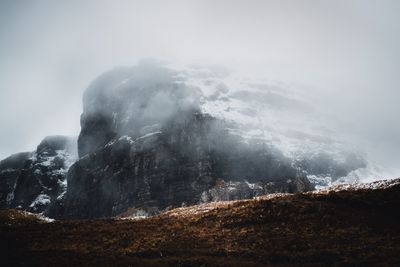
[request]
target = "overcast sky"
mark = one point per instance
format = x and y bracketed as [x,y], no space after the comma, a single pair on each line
[51,50]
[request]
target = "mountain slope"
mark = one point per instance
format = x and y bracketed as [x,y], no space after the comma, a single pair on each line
[343,227]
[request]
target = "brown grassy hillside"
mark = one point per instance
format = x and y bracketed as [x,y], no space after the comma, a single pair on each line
[342,227]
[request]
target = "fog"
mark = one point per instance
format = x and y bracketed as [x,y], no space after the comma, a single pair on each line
[343,53]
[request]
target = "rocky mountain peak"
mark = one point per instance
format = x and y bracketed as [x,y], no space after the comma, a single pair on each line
[146,143]
[36,181]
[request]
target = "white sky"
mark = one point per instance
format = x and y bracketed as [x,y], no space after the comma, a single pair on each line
[51,50]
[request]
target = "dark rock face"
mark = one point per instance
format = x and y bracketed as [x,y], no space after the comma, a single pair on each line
[35,181]
[132,101]
[176,166]
[10,169]
[144,143]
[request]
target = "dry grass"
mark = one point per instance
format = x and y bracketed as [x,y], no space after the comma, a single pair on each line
[340,228]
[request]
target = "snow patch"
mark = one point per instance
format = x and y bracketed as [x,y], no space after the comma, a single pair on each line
[382,184]
[253,186]
[148,135]
[136,215]
[41,199]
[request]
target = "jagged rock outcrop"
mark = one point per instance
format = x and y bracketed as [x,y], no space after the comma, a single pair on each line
[145,143]
[36,181]
[10,169]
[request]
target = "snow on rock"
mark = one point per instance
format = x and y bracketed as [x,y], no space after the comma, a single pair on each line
[148,135]
[376,185]
[37,180]
[130,140]
[285,115]
[320,182]
[41,199]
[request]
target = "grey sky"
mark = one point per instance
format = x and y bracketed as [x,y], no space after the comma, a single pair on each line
[51,50]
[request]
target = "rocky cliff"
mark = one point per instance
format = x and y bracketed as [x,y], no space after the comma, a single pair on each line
[176,166]
[36,181]
[145,143]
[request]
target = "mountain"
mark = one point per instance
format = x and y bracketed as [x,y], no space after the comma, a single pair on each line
[156,136]
[345,225]
[145,143]
[36,181]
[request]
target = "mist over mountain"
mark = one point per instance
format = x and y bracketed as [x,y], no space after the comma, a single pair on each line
[159,135]
[340,58]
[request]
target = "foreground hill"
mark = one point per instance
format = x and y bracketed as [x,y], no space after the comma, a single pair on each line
[342,226]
